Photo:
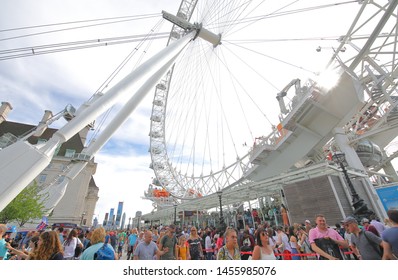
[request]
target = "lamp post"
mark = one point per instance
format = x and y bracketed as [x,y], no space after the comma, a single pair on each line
[175,212]
[81,221]
[222,223]
[361,209]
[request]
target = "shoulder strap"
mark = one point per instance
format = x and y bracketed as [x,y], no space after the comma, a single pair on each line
[306,242]
[372,243]
[163,240]
[367,237]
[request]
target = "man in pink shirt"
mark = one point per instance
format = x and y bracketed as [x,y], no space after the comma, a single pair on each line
[321,234]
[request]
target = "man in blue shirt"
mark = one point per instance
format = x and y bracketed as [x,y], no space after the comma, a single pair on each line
[132,239]
[390,237]
[148,250]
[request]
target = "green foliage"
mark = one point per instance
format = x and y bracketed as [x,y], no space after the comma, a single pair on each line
[28,205]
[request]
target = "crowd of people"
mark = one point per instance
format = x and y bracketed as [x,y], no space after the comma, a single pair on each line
[368,239]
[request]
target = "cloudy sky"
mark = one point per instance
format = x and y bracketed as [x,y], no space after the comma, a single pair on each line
[36,83]
[50,82]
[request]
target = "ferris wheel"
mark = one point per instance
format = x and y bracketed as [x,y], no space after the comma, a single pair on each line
[219,100]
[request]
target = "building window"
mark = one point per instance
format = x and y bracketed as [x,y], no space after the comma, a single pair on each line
[41,141]
[42,178]
[60,179]
[69,153]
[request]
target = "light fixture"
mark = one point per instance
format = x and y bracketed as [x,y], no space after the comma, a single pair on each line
[361,210]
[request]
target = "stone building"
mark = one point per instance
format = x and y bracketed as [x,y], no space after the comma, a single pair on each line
[78,204]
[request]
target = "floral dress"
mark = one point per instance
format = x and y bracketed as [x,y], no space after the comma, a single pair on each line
[224,254]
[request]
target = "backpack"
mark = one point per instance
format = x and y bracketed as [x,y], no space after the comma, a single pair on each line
[329,247]
[105,252]
[375,246]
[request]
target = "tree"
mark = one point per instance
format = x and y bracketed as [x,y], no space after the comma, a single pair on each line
[28,205]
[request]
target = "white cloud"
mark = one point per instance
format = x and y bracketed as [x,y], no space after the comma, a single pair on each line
[49,82]
[123,177]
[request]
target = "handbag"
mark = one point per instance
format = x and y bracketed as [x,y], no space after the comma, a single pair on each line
[78,250]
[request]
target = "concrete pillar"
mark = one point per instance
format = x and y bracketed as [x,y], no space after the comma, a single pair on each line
[390,170]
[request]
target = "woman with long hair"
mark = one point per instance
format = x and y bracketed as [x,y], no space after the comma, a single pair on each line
[48,247]
[305,244]
[285,217]
[70,245]
[293,244]
[263,250]
[195,246]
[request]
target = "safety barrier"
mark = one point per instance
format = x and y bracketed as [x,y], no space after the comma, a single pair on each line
[282,254]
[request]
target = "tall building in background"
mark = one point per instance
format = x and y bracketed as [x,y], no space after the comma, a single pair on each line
[111,218]
[105,223]
[119,213]
[123,221]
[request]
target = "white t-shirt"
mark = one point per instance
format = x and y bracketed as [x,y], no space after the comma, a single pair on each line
[69,250]
[208,243]
[285,241]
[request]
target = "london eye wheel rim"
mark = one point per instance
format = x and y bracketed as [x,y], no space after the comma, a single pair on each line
[181,185]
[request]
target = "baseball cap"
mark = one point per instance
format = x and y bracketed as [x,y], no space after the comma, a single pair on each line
[364,220]
[307,221]
[349,220]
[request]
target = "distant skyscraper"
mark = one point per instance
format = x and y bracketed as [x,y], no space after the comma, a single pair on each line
[111,218]
[119,213]
[123,221]
[138,215]
[106,219]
